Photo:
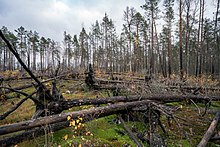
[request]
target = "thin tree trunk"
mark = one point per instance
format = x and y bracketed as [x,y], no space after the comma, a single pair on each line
[180,41]
[152,62]
[217,36]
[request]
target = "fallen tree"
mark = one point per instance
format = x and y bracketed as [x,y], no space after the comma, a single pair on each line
[66,104]
[60,121]
[129,102]
[106,110]
[30,134]
[192,88]
[43,95]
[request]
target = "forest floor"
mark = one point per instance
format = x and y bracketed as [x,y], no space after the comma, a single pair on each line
[106,131]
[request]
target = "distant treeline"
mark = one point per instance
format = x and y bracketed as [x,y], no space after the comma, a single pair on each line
[187,45]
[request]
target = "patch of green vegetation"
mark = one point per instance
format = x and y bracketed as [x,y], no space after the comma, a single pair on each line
[215,105]
[211,144]
[58,135]
[107,132]
[173,104]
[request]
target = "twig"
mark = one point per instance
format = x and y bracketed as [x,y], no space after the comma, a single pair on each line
[195,105]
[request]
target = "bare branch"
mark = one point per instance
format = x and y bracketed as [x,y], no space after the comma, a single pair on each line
[3,116]
[207,136]
[131,135]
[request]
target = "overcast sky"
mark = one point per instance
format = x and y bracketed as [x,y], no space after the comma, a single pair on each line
[50,18]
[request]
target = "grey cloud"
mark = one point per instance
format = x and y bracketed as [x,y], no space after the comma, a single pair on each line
[52,17]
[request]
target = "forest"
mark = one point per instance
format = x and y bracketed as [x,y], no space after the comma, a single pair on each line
[145,85]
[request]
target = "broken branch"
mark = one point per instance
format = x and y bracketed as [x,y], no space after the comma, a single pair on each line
[207,136]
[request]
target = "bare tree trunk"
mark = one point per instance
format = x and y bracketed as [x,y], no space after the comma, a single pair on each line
[187,35]
[162,64]
[152,62]
[180,41]
[217,37]
[169,54]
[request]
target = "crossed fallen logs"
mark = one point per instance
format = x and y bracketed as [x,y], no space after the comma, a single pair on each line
[116,105]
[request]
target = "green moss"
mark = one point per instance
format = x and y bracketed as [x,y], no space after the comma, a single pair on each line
[107,132]
[215,105]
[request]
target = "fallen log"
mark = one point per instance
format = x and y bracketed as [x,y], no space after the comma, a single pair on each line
[6,141]
[106,110]
[66,104]
[30,134]
[115,107]
[207,136]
